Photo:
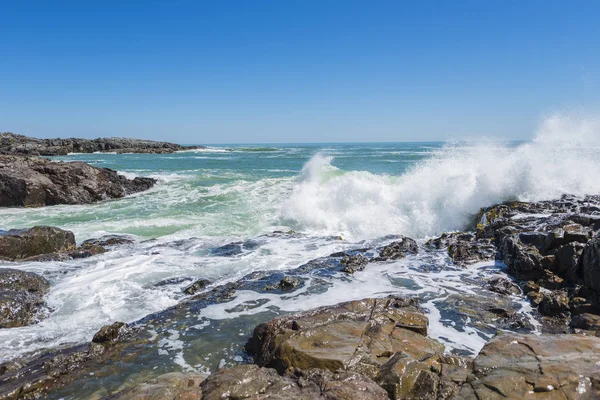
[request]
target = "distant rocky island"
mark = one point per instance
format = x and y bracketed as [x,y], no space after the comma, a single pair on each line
[27,180]
[14,144]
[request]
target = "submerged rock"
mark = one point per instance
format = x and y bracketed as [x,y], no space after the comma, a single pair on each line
[35,182]
[21,297]
[18,244]
[530,366]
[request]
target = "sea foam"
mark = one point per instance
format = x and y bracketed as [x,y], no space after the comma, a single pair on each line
[443,192]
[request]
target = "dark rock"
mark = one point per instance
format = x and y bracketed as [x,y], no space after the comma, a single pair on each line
[502,285]
[109,333]
[532,366]
[286,283]
[537,239]
[196,286]
[18,244]
[576,233]
[398,249]
[586,321]
[566,261]
[524,262]
[34,182]
[464,248]
[590,264]
[106,241]
[554,304]
[354,263]
[173,281]
[14,144]
[21,297]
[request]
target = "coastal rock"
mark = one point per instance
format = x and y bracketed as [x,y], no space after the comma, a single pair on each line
[383,339]
[252,382]
[503,286]
[21,297]
[464,248]
[33,377]
[531,366]
[590,264]
[18,244]
[398,249]
[196,286]
[13,144]
[354,263]
[171,386]
[35,182]
[106,241]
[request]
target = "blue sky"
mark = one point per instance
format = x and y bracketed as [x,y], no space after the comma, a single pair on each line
[294,71]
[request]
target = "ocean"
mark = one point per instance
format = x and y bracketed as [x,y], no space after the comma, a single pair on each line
[333,197]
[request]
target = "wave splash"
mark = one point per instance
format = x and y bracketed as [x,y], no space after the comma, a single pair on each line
[443,192]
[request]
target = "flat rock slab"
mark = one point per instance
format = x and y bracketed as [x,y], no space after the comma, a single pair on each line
[383,339]
[513,366]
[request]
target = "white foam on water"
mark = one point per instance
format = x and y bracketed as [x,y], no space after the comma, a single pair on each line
[443,192]
[439,194]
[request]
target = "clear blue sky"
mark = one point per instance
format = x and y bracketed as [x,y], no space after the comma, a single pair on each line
[293,71]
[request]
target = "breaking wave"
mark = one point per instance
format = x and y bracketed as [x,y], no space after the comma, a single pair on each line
[442,192]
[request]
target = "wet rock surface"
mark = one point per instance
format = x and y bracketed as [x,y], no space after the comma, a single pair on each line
[381,344]
[464,248]
[21,297]
[554,245]
[383,339]
[48,243]
[171,386]
[529,366]
[13,144]
[18,244]
[36,182]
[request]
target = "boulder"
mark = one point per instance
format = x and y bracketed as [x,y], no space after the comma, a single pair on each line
[590,264]
[18,244]
[537,367]
[502,285]
[196,286]
[35,182]
[354,263]
[21,297]
[384,339]
[398,249]
[464,248]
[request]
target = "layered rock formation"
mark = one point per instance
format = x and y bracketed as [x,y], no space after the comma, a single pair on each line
[14,144]
[35,181]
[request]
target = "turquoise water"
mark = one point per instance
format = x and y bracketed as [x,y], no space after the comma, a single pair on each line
[335,196]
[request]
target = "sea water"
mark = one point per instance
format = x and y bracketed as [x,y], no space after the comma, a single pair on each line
[336,196]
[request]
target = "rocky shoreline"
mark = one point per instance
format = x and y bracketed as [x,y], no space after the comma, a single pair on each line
[14,144]
[36,182]
[373,348]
